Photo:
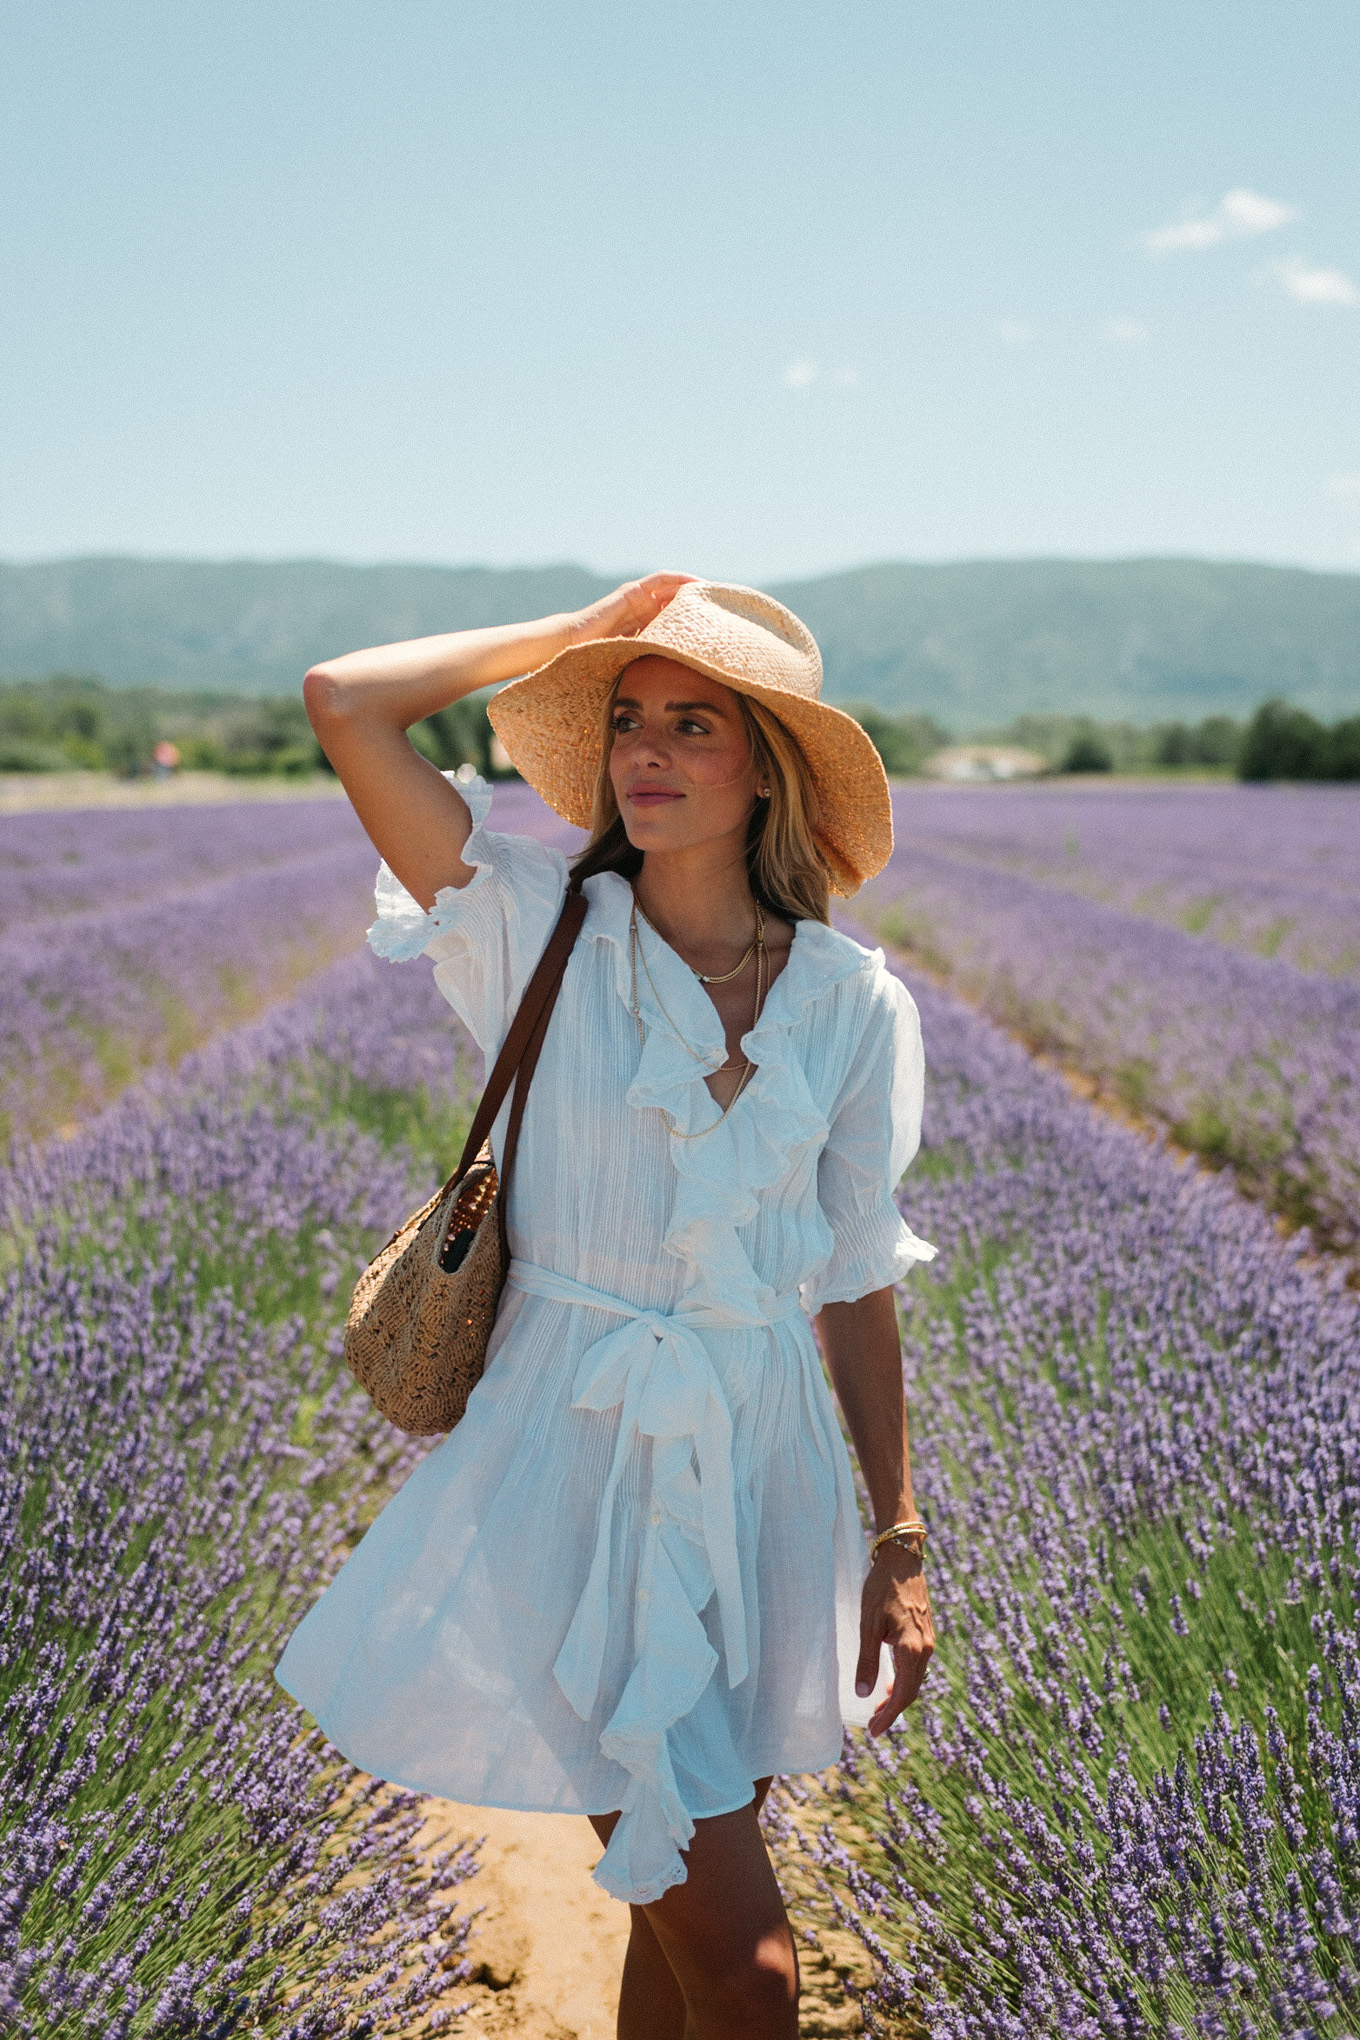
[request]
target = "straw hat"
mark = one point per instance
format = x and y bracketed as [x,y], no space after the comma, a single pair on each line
[550,722]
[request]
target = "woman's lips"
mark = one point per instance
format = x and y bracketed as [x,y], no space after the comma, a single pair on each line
[651,796]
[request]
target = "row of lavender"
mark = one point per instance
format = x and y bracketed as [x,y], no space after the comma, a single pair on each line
[1274,870]
[182,1462]
[130,937]
[1136,1425]
[1247,1059]
[1129,1802]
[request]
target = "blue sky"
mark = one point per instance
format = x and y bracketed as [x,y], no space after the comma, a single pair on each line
[750,289]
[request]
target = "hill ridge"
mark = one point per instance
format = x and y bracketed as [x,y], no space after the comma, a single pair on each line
[972,642]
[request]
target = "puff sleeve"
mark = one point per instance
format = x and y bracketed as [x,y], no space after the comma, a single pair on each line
[485,937]
[875,1130]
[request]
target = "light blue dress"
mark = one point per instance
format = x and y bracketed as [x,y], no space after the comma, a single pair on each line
[630,1578]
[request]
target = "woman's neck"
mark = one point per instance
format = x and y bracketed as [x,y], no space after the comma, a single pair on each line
[698,902]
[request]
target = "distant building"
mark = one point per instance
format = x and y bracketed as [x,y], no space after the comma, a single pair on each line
[984,763]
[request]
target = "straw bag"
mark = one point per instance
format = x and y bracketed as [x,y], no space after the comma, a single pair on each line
[423,1311]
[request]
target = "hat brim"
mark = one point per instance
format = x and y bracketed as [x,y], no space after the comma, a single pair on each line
[550,725]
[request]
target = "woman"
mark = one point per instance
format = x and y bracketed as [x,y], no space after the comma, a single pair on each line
[632,1582]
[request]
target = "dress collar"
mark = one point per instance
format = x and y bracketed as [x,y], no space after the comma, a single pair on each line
[819,959]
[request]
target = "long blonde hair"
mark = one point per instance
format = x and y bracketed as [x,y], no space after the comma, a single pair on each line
[787,871]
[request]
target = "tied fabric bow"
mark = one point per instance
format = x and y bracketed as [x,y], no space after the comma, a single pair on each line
[659,1374]
[656,1371]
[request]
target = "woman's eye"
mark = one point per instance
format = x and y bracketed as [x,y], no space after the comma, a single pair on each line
[690,728]
[623,722]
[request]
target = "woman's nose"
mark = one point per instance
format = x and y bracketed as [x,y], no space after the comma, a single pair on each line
[651,748]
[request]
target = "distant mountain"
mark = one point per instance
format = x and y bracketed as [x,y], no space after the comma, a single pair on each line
[974,643]
[980,642]
[249,626]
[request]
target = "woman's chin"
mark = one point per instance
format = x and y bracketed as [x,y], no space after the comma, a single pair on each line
[674,827]
[652,829]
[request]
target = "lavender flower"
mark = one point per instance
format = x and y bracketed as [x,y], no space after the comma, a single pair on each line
[1123,1381]
[183,1461]
[1244,1057]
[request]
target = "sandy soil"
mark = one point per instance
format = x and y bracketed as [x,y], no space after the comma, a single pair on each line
[22,793]
[549,1944]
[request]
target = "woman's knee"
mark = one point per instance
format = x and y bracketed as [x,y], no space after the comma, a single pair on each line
[758,1998]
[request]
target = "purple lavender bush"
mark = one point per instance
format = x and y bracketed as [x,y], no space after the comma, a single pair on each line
[1274,870]
[60,861]
[184,1461]
[180,945]
[1244,1058]
[1128,1802]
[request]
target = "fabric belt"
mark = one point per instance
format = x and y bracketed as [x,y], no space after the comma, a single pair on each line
[658,1372]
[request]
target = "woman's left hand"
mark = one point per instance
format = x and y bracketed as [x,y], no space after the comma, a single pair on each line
[894,1609]
[627,610]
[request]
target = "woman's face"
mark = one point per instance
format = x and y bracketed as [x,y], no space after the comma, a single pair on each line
[681,762]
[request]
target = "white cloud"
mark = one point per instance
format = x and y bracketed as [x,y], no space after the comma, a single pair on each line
[1239,216]
[1126,332]
[1014,332]
[1343,485]
[1309,284]
[799,374]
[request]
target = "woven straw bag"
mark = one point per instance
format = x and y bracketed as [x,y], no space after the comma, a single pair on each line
[423,1310]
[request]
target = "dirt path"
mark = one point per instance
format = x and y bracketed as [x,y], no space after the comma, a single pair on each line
[549,1944]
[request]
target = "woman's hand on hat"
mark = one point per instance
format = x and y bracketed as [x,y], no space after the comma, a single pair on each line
[628,609]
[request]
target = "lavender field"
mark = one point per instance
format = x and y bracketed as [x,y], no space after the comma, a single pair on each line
[1129,1803]
[1243,1056]
[185,1461]
[1274,870]
[128,938]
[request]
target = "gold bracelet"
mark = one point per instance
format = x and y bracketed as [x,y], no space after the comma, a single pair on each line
[910,1537]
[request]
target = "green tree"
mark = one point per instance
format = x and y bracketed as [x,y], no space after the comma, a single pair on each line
[903,742]
[1175,744]
[1346,749]
[1218,741]
[1087,754]
[1284,743]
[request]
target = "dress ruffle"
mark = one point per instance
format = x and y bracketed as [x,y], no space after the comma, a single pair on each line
[676,1377]
[722,1164]
[403,929]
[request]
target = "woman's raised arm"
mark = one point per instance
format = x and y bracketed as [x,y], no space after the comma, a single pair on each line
[362,704]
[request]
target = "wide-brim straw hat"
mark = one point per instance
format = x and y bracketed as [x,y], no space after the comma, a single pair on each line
[551,721]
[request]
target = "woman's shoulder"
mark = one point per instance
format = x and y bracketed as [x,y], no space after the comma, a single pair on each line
[516,879]
[834,963]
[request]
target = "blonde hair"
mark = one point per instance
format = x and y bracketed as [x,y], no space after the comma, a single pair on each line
[786,869]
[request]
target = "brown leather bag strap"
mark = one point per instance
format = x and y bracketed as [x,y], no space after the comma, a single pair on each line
[535,1010]
[523,1079]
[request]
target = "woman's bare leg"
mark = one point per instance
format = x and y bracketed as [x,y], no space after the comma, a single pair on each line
[713,1959]
[651,2005]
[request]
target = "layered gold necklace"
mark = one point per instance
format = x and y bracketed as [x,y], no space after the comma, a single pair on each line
[757,949]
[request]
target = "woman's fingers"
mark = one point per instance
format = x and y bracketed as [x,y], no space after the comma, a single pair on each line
[870,1650]
[648,597]
[909,1668]
[630,608]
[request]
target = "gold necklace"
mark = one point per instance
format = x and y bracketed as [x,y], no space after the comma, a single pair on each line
[762,966]
[710,977]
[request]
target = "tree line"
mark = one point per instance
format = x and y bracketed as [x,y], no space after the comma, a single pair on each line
[1278,742]
[74,721]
